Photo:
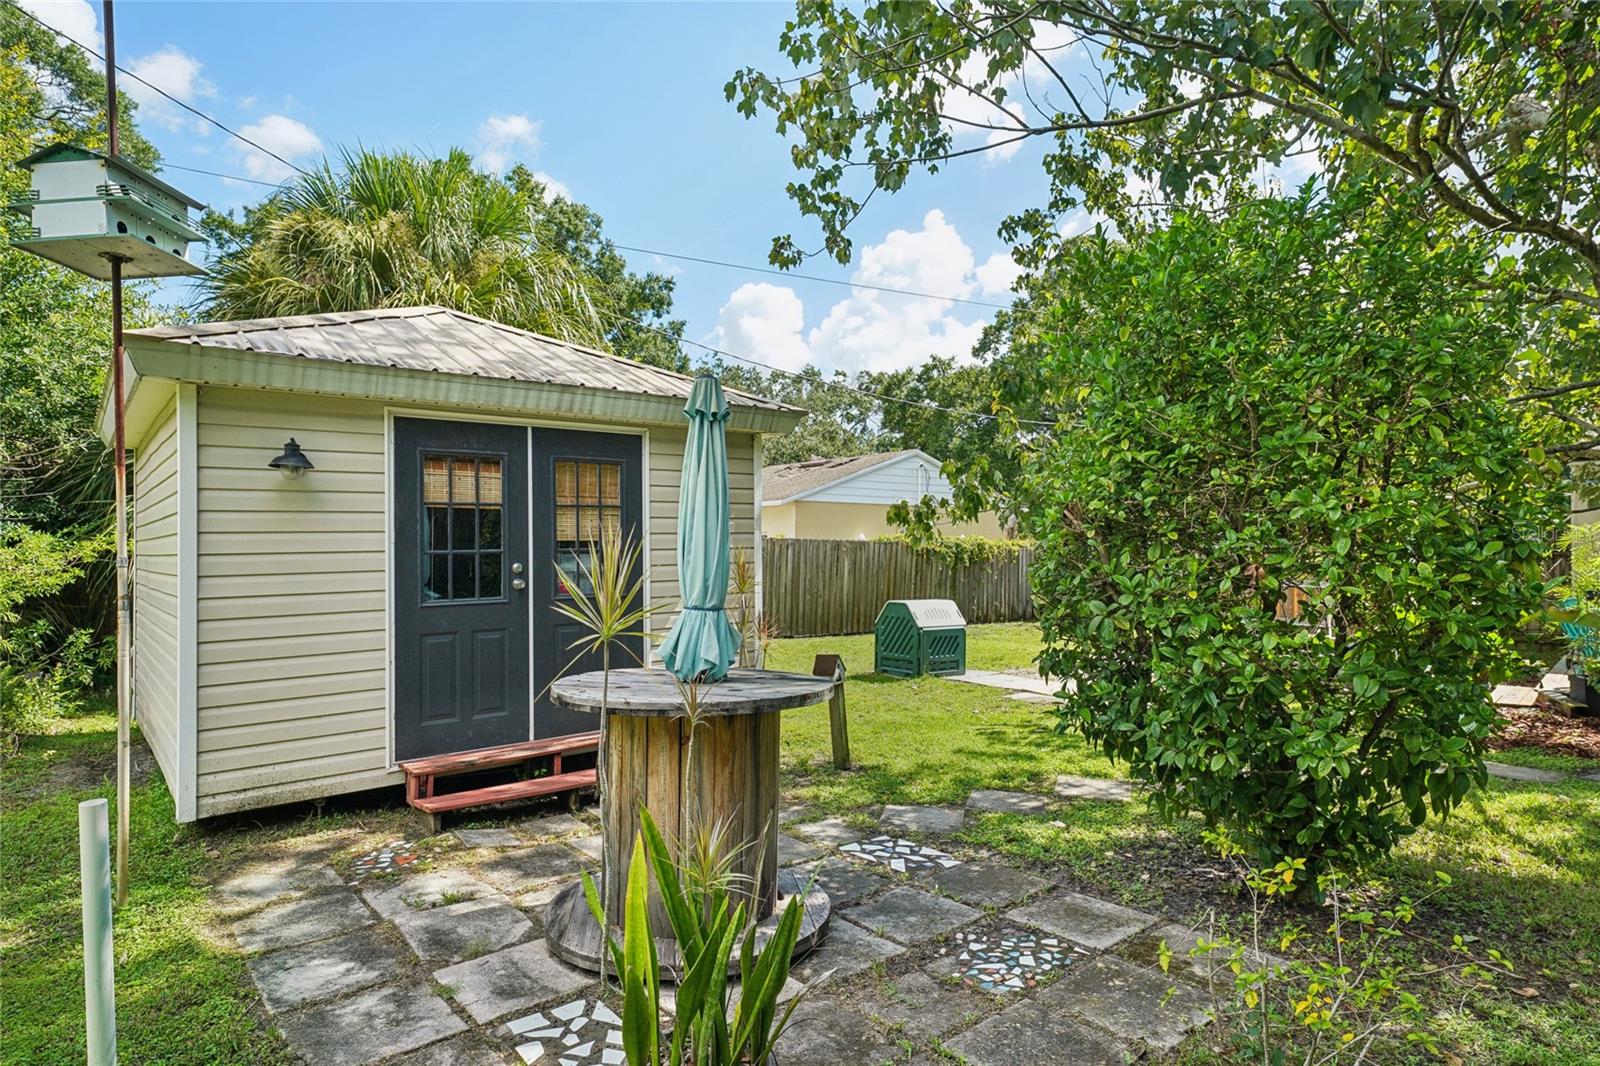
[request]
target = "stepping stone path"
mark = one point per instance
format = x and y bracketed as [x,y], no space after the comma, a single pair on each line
[844,882]
[371,1026]
[441,963]
[1111,790]
[1085,920]
[488,838]
[987,884]
[910,916]
[899,855]
[584,1032]
[990,799]
[1508,772]
[791,850]
[494,985]
[922,819]
[1012,682]
[834,831]
[1008,961]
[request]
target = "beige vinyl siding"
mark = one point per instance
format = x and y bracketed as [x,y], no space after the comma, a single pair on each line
[292,628]
[155,589]
[665,481]
[292,649]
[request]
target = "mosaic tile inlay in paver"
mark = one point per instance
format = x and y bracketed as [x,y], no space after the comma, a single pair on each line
[392,856]
[1008,961]
[899,855]
[581,1033]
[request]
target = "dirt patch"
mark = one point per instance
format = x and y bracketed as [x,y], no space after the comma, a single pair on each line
[86,772]
[1549,733]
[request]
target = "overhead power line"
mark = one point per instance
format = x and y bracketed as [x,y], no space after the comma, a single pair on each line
[926,405]
[815,277]
[162,92]
[219,174]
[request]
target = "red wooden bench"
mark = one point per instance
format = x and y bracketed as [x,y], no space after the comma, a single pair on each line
[422,775]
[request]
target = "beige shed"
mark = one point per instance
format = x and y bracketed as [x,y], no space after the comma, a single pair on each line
[347,530]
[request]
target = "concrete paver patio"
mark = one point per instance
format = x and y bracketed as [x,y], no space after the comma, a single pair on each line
[443,961]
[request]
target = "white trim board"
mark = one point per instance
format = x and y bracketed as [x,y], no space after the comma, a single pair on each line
[188,680]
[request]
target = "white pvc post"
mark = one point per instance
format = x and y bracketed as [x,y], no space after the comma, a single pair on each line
[99,988]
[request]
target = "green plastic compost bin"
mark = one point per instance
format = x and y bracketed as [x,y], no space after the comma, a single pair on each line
[915,637]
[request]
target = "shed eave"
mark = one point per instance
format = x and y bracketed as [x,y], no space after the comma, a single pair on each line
[193,362]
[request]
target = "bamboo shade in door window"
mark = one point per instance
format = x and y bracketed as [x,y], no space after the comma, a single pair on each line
[588,502]
[462,545]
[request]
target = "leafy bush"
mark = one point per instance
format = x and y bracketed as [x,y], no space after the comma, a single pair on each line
[1354,991]
[1293,524]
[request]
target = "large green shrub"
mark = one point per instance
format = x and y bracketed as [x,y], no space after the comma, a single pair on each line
[1303,401]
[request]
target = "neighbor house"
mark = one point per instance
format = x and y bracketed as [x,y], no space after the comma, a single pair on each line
[349,532]
[849,499]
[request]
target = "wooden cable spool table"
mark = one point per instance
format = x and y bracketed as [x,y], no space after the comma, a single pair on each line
[731,781]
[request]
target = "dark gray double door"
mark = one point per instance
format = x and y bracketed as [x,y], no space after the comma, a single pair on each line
[490,525]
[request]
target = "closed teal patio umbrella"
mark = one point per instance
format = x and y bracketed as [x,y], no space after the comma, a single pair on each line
[702,643]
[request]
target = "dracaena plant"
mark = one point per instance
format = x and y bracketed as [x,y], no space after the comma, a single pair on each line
[709,924]
[742,586]
[613,608]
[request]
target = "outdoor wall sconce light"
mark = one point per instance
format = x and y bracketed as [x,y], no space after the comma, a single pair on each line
[293,462]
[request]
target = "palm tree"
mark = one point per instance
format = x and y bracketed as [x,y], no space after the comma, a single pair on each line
[398,230]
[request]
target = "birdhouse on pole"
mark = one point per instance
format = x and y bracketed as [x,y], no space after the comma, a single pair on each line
[86,208]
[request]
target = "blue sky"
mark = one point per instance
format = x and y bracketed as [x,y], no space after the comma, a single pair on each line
[622,105]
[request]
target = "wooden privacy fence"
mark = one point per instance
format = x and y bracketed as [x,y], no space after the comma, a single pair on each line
[815,588]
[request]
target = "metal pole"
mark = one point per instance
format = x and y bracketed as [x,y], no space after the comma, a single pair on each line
[120,463]
[99,988]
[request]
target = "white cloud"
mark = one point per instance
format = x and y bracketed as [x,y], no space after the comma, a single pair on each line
[553,187]
[175,73]
[997,273]
[502,137]
[1020,93]
[77,19]
[1078,223]
[287,137]
[1003,144]
[870,330]
[763,321]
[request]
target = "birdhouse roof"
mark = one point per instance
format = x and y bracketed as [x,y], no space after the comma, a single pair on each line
[74,151]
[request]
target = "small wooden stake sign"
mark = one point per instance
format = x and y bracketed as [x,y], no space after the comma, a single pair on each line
[833,666]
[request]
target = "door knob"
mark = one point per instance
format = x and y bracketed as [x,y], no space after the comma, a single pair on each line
[516,568]
[518,584]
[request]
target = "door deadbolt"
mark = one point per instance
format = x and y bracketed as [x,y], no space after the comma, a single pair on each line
[516,568]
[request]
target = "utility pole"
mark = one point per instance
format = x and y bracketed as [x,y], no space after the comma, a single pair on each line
[120,464]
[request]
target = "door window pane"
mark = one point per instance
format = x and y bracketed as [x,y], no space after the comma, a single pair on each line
[463,531]
[462,527]
[588,503]
[436,529]
[489,527]
[435,576]
[488,575]
[463,576]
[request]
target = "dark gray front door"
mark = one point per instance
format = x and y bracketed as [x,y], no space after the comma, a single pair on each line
[461,674]
[583,483]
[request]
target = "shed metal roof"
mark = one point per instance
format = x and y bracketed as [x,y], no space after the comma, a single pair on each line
[445,341]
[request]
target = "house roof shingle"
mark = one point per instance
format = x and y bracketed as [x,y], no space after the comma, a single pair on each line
[788,480]
[442,340]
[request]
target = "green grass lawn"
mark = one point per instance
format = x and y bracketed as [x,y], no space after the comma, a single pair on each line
[181,996]
[1524,859]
